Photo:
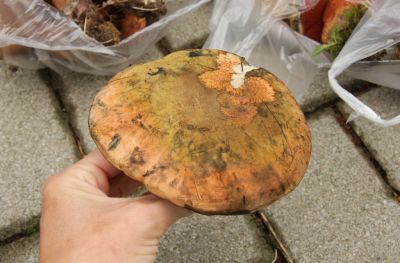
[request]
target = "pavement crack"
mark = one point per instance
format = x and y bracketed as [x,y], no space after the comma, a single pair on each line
[358,142]
[282,253]
[47,76]
[25,233]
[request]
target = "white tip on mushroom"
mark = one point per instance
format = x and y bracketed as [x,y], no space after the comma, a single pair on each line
[239,73]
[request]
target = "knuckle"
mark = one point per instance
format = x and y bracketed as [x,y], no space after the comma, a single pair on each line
[51,186]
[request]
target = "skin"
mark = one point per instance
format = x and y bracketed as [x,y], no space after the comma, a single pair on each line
[87,216]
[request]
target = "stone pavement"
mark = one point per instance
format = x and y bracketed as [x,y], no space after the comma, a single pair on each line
[345,209]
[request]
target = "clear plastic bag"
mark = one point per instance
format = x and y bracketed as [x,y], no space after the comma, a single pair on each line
[254,29]
[378,30]
[34,35]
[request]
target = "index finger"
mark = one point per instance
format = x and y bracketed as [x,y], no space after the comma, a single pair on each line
[96,159]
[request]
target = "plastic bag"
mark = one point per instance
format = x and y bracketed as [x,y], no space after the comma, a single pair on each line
[254,29]
[378,30]
[41,36]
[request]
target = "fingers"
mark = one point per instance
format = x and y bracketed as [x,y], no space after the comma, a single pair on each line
[93,171]
[156,215]
[163,207]
[95,158]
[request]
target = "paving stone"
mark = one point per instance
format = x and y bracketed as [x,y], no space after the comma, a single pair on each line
[25,250]
[191,31]
[214,239]
[195,239]
[320,91]
[34,144]
[78,90]
[383,143]
[341,211]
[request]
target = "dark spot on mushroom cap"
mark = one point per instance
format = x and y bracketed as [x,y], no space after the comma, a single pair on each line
[149,172]
[219,164]
[259,72]
[173,182]
[137,156]
[191,127]
[115,140]
[263,110]
[132,83]
[196,53]
[203,129]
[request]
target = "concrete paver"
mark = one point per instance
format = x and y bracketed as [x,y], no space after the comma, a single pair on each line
[77,92]
[35,143]
[341,211]
[320,92]
[195,239]
[25,250]
[215,239]
[383,143]
[191,31]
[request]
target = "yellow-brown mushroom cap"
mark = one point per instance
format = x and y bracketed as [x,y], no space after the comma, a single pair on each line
[204,130]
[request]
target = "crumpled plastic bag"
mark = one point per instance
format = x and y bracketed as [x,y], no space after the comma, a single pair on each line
[378,30]
[254,29]
[40,36]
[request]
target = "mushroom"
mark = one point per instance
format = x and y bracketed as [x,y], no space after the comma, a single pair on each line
[203,129]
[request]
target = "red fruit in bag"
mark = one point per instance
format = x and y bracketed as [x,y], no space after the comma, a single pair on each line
[309,23]
[340,19]
[312,21]
[131,24]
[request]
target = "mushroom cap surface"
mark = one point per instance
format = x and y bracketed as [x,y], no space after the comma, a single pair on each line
[203,129]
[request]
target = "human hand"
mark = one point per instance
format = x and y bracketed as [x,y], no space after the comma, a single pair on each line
[87,216]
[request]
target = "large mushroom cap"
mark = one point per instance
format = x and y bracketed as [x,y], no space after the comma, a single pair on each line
[204,130]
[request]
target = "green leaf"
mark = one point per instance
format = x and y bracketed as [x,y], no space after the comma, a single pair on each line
[324,47]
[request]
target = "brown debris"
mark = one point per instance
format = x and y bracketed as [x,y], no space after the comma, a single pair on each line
[132,24]
[110,21]
[103,31]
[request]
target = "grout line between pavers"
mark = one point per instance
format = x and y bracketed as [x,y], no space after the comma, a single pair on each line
[358,142]
[282,252]
[47,76]
[24,234]
[44,74]
[77,140]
